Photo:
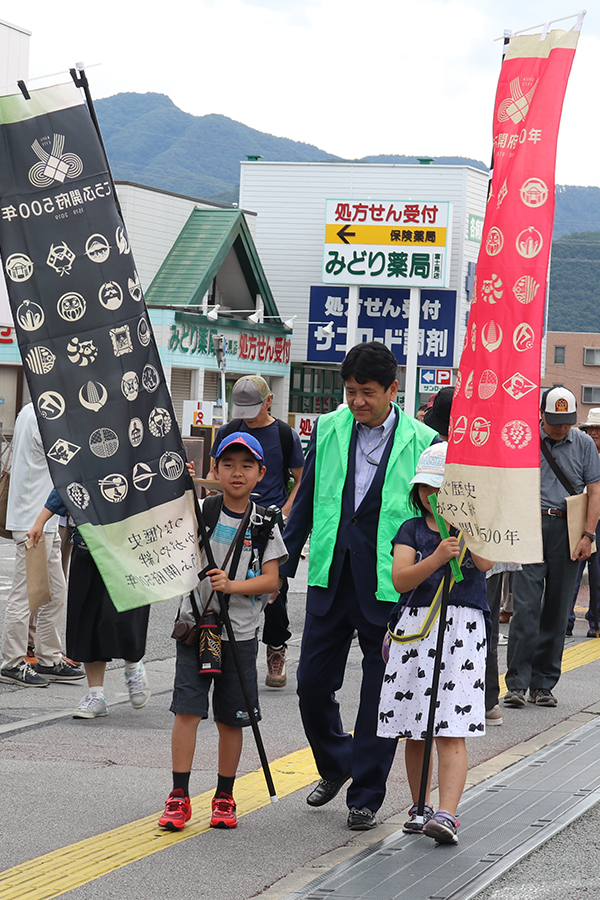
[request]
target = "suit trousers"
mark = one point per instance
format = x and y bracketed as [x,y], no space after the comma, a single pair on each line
[325,646]
[542,593]
[50,617]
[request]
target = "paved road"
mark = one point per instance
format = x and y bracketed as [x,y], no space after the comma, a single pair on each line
[68,780]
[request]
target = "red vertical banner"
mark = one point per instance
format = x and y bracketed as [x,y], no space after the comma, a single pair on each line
[492,485]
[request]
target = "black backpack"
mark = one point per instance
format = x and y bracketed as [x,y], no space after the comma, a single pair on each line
[286,439]
[262,522]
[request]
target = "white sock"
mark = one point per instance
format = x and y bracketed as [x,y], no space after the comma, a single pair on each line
[97,690]
[131,668]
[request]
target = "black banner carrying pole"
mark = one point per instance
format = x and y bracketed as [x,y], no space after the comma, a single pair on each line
[80,80]
[435,683]
[236,657]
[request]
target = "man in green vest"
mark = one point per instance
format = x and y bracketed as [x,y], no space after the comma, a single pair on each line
[354,497]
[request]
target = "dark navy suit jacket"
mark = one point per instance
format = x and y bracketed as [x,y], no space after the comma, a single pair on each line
[356,536]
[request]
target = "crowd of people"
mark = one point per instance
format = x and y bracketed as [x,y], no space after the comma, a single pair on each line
[366,496]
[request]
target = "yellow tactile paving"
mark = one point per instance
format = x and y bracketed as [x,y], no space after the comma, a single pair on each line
[573,658]
[63,870]
[70,867]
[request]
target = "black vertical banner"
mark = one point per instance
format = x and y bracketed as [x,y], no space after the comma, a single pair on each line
[105,414]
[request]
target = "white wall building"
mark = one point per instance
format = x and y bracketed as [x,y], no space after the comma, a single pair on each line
[14,56]
[290,201]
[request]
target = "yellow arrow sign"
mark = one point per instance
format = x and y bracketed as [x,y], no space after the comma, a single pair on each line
[353,233]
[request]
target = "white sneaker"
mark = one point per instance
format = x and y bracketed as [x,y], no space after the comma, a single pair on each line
[91,707]
[137,685]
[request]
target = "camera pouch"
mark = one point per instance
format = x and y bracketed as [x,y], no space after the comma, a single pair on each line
[185,632]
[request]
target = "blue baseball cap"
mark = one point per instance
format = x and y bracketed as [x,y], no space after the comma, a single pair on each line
[246,440]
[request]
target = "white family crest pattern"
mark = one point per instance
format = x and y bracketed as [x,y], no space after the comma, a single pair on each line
[534,192]
[93,395]
[135,432]
[516,106]
[516,434]
[40,360]
[19,267]
[142,476]
[51,405]
[55,165]
[78,494]
[488,384]
[60,258]
[114,487]
[30,315]
[525,288]
[491,336]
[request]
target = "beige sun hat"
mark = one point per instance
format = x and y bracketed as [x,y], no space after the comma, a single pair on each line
[593,419]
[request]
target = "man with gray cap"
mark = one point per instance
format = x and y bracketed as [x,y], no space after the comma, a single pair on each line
[284,459]
[537,631]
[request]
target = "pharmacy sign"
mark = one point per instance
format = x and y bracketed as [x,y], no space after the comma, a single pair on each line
[391,243]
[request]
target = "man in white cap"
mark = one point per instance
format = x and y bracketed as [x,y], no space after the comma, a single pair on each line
[537,631]
[284,459]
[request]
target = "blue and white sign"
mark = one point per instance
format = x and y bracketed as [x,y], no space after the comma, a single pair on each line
[382,316]
[427,381]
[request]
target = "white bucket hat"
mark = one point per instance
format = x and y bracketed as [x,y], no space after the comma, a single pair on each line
[431,466]
[593,419]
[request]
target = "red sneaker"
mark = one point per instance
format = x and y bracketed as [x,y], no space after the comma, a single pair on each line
[223,812]
[178,811]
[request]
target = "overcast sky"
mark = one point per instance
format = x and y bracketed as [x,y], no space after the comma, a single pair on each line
[354,78]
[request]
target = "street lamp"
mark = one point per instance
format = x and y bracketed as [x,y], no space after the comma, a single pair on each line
[219,345]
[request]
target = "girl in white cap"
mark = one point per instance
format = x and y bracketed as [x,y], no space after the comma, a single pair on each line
[420,556]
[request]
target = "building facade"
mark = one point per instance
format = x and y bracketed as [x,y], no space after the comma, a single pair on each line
[291,198]
[573,359]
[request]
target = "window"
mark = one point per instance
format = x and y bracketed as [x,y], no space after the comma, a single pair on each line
[591,356]
[321,392]
[559,356]
[590,393]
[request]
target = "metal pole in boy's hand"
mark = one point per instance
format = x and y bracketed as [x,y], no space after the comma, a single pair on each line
[236,658]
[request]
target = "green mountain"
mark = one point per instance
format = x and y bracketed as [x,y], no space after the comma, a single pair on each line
[574,278]
[577,209]
[151,141]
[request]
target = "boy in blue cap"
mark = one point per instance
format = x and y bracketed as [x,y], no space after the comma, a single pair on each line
[239,464]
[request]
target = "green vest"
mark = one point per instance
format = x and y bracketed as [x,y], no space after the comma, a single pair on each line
[334,432]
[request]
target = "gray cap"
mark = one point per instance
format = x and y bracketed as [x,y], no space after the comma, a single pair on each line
[248,395]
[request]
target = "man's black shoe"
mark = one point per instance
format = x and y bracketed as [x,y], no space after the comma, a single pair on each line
[327,790]
[361,819]
[593,632]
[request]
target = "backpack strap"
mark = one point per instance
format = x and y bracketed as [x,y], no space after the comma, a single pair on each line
[211,510]
[230,427]
[286,439]
[262,523]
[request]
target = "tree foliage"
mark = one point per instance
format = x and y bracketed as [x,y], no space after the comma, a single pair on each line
[573,303]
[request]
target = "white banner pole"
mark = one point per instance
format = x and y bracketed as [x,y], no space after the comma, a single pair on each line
[412,352]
